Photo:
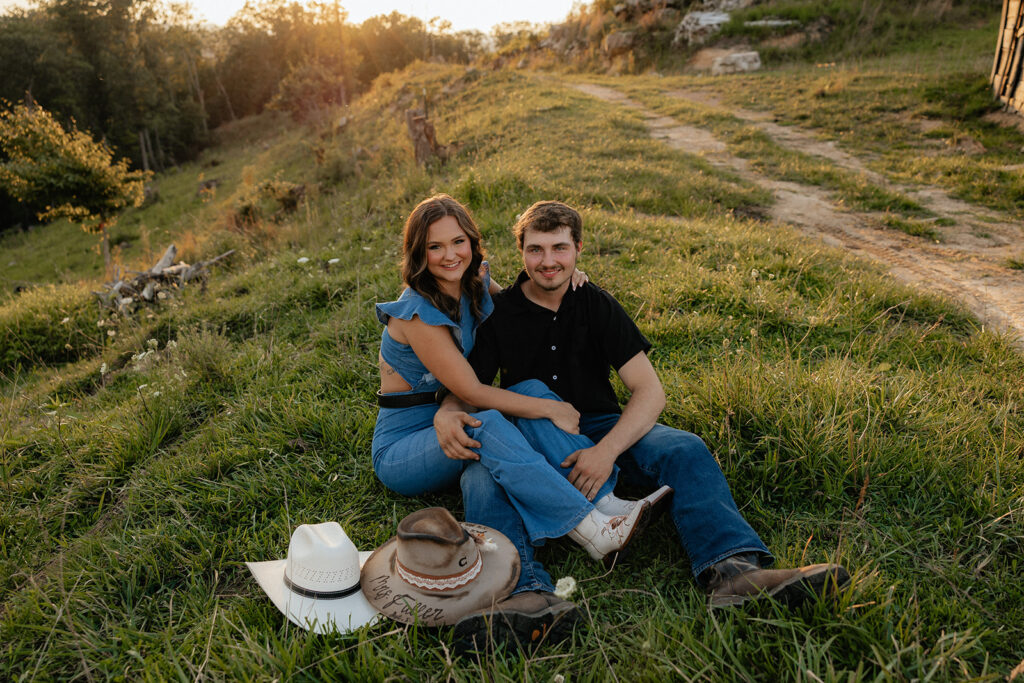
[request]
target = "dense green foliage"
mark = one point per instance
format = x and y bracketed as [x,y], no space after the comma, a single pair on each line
[856,419]
[63,174]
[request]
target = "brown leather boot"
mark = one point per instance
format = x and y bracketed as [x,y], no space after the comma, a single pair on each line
[526,619]
[740,578]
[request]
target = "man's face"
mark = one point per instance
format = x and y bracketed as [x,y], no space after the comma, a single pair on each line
[550,257]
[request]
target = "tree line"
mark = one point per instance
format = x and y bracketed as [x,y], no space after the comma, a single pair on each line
[150,82]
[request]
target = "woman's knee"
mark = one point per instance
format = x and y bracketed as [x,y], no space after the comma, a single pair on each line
[477,479]
[534,388]
[491,419]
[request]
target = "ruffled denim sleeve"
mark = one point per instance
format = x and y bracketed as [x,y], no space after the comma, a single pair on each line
[410,304]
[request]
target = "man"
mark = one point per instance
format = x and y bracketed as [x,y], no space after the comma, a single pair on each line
[569,339]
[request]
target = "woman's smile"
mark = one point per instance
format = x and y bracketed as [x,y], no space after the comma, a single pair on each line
[448,254]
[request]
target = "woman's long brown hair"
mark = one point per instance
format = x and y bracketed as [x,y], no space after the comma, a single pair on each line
[414,255]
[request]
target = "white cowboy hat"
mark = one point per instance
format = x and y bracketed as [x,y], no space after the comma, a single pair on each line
[436,570]
[317,585]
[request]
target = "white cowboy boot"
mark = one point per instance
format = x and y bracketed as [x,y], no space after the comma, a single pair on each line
[612,505]
[603,537]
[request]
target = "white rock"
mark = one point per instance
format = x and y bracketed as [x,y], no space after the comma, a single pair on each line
[697,27]
[727,5]
[771,23]
[737,62]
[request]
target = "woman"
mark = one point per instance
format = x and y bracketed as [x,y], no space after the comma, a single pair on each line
[429,331]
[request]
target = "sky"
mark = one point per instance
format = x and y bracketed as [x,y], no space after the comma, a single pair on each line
[464,14]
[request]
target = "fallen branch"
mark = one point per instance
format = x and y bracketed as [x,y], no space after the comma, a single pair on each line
[157,283]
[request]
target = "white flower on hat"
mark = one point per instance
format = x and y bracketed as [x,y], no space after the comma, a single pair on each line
[485,542]
[565,587]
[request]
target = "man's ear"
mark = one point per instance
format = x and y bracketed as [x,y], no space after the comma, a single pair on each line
[579,247]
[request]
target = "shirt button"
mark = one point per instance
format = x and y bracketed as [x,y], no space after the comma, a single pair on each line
[553,348]
[555,318]
[554,376]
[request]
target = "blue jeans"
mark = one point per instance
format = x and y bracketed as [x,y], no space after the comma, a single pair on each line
[538,500]
[707,520]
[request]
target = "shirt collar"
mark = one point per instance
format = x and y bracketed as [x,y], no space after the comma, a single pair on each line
[525,304]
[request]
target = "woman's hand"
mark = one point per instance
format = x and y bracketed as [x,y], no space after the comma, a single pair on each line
[578,279]
[564,416]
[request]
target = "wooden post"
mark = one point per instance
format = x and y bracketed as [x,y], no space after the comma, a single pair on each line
[1007,67]
[997,62]
[421,131]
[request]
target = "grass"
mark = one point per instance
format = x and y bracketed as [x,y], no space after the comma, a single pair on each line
[912,227]
[767,156]
[918,115]
[857,420]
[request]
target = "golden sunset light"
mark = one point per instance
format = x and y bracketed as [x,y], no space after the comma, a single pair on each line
[464,16]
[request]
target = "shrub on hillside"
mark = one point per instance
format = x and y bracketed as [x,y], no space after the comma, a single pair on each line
[268,200]
[49,325]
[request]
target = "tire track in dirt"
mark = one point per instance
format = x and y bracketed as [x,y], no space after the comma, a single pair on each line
[965,266]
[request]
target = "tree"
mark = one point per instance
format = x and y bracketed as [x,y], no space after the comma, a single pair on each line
[64,173]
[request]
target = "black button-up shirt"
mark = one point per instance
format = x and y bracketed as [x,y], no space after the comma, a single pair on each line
[571,350]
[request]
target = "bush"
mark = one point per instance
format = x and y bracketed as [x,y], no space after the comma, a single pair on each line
[268,200]
[50,325]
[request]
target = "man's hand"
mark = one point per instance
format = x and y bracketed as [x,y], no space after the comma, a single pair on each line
[450,426]
[592,468]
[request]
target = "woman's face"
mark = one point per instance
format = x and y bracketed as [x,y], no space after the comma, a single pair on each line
[448,253]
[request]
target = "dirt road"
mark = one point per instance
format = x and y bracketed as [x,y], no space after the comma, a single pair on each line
[967,264]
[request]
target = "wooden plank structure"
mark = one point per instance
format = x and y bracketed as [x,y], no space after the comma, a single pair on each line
[1008,68]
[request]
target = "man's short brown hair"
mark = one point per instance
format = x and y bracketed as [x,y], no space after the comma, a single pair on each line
[548,217]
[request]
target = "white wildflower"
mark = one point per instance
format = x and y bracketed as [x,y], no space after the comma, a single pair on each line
[304,259]
[65,321]
[101,322]
[333,261]
[161,295]
[366,249]
[558,678]
[155,394]
[754,274]
[111,333]
[142,386]
[565,587]
[103,369]
[753,332]
[152,343]
[171,345]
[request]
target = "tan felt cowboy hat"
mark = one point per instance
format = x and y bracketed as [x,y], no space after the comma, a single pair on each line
[436,570]
[317,585]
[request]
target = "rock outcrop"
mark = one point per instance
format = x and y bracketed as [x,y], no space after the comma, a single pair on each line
[737,62]
[697,27]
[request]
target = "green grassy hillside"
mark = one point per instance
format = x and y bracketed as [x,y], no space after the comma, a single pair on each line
[144,458]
